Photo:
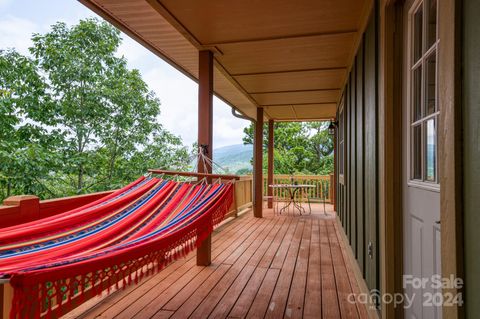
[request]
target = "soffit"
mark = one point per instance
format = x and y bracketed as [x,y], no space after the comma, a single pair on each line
[289,57]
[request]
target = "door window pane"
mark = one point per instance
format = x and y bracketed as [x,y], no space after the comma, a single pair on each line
[431,84]
[432,22]
[423,106]
[431,146]
[417,152]
[417,93]
[417,34]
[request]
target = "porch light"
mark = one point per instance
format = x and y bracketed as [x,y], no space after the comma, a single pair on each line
[331,128]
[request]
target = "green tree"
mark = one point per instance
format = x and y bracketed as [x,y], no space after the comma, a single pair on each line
[80,67]
[75,119]
[300,147]
[27,148]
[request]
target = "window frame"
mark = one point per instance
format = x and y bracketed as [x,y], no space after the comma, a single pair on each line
[412,66]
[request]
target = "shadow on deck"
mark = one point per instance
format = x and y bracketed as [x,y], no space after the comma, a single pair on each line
[279,266]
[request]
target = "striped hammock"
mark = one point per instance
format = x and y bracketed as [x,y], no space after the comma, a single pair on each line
[56,263]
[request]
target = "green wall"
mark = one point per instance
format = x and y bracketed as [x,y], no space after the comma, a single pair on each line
[471,116]
[357,201]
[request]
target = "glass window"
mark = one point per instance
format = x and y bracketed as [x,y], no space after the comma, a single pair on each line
[418,34]
[432,23]
[417,152]
[424,108]
[417,94]
[431,83]
[430,150]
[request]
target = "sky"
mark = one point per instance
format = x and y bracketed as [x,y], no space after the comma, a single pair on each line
[177,93]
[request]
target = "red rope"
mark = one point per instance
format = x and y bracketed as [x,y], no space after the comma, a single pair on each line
[69,284]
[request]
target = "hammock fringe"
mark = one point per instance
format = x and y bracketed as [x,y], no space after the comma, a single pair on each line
[51,292]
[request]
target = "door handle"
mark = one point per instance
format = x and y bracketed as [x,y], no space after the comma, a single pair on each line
[437,222]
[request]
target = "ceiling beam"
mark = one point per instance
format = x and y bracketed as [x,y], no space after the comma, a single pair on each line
[304,119]
[291,71]
[295,104]
[296,91]
[274,38]
[294,113]
[167,15]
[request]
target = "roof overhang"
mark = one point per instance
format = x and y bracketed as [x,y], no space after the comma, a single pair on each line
[289,57]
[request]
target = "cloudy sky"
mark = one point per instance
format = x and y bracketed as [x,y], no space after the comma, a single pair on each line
[178,94]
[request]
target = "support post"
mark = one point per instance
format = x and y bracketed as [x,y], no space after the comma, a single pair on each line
[28,207]
[205,134]
[6,297]
[270,163]
[258,166]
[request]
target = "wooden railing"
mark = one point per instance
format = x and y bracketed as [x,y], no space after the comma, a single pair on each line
[322,190]
[243,196]
[25,208]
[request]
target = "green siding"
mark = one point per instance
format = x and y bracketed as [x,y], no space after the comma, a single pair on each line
[360,154]
[358,197]
[471,112]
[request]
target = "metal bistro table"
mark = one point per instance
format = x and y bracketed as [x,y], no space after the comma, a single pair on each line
[292,191]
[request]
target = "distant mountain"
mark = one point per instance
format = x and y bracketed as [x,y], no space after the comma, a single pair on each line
[234,157]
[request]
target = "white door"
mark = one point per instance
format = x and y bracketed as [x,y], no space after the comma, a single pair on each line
[421,189]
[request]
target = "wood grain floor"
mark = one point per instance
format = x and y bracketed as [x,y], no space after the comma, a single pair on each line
[286,266]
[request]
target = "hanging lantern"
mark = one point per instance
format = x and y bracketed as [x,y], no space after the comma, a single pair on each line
[331,128]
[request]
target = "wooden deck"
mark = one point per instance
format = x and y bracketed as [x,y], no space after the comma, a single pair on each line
[278,266]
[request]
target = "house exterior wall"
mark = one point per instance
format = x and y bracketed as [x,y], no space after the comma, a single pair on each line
[471,135]
[358,185]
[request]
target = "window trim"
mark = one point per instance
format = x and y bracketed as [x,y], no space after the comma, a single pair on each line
[411,66]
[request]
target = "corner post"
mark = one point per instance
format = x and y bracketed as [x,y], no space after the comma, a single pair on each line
[258,166]
[270,163]
[28,207]
[6,297]
[205,134]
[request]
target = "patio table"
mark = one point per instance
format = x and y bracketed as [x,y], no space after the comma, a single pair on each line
[292,191]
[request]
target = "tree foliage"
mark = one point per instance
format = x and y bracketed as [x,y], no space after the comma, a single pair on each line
[299,147]
[74,118]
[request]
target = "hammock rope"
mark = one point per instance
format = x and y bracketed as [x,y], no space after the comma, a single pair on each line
[55,263]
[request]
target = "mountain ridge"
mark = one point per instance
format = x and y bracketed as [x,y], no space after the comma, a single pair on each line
[234,158]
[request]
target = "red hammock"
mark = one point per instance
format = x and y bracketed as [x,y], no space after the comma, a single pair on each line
[55,263]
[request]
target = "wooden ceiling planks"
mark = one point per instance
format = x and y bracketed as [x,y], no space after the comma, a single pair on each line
[290,54]
[293,81]
[291,57]
[298,97]
[218,21]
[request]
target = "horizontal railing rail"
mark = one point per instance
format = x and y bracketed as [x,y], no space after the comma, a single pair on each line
[25,208]
[321,192]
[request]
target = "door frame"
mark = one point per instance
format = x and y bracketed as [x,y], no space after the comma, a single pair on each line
[390,150]
[450,144]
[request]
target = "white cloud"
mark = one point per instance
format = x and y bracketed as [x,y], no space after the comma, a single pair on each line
[16,33]
[227,129]
[132,51]
[5,3]
[178,94]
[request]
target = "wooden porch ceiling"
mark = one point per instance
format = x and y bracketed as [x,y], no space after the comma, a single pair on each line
[289,57]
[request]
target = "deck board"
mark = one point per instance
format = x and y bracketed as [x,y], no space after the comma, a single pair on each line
[313,294]
[296,296]
[330,306]
[286,266]
[279,297]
